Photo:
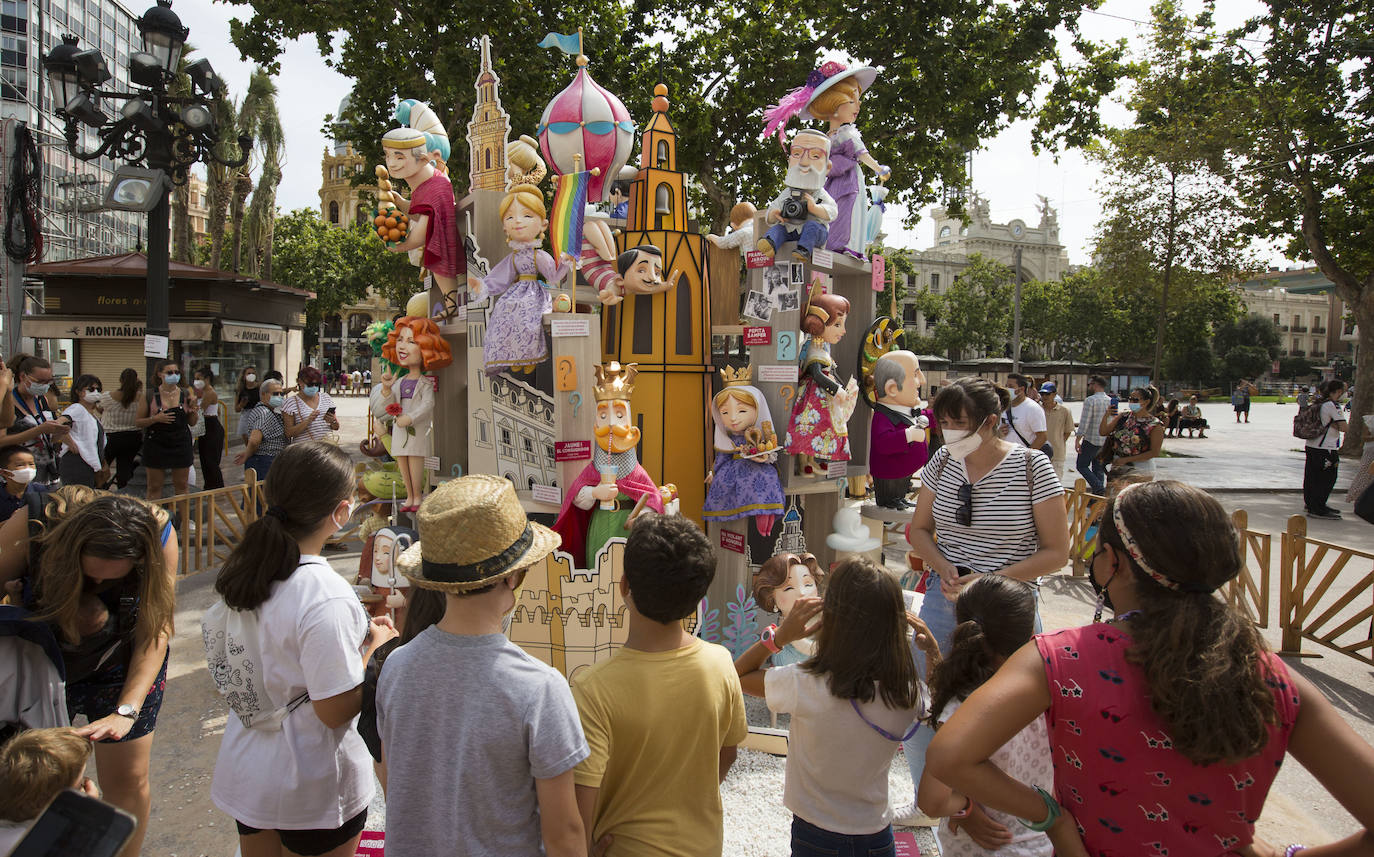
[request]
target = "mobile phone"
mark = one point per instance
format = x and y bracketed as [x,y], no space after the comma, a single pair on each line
[77,825]
[1115,402]
[331,410]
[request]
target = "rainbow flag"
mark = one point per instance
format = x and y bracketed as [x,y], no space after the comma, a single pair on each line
[569,208]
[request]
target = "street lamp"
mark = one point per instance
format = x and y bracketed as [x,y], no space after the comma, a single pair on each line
[158,136]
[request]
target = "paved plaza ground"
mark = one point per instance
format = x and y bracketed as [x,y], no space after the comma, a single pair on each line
[1256,467]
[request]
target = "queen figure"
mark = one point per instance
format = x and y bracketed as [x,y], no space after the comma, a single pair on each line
[744,481]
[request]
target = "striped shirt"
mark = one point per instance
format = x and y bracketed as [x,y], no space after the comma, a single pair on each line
[1003,528]
[116,417]
[1090,421]
[267,421]
[300,410]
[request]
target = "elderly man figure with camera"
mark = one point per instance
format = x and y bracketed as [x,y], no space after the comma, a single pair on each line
[802,210]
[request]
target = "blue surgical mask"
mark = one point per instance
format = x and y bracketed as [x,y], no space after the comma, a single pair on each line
[172,378]
[275,402]
[310,391]
[1134,406]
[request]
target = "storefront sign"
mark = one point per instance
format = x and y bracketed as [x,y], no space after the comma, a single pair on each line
[107,328]
[758,335]
[252,334]
[572,450]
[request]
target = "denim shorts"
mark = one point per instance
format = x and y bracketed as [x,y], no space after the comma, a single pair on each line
[98,696]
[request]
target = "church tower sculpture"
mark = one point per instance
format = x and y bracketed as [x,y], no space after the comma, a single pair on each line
[488,130]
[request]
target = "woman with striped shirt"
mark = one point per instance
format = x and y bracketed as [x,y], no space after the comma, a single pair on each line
[994,507]
[266,434]
[123,437]
[309,415]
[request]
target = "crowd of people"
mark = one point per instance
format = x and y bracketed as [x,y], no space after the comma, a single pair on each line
[1164,725]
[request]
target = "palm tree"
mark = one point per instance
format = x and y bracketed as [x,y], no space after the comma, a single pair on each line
[219,181]
[182,236]
[257,117]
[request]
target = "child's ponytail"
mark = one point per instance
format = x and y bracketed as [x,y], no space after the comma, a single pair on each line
[996,616]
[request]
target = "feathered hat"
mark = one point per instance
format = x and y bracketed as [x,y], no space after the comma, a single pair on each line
[798,101]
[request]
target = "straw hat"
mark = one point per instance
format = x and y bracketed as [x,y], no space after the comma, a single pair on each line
[473,532]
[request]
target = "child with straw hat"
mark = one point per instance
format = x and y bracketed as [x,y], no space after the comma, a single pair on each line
[503,719]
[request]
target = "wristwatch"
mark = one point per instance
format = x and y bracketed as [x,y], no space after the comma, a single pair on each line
[127,710]
[767,639]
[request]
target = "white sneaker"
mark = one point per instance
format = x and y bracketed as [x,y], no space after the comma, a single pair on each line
[910,815]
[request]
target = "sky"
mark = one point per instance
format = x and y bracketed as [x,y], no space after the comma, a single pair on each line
[1005,171]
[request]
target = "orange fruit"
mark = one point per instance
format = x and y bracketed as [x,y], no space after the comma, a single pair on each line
[379,220]
[391,223]
[393,235]
[381,232]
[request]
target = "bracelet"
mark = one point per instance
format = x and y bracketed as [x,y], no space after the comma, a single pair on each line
[968,807]
[1294,849]
[767,639]
[1051,807]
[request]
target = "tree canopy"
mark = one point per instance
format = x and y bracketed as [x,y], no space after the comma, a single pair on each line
[953,72]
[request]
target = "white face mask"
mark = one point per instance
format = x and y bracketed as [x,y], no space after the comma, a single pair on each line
[200,385]
[961,443]
[92,397]
[23,475]
[250,377]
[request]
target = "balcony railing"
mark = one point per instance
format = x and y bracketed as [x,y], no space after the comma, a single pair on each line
[1299,328]
[1318,330]
[1297,353]
[1283,327]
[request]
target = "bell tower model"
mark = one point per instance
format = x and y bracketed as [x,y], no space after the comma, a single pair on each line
[488,130]
[667,334]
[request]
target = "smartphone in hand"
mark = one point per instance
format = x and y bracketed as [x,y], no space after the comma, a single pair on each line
[77,825]
[331,411]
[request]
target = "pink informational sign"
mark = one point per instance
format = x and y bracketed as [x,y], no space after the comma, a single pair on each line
[732,541]
[572,450]
[758,336]
[879,273]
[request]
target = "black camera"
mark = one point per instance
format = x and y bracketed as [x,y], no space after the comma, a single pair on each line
[794,207]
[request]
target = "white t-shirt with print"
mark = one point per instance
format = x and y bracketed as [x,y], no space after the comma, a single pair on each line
[305,776]
[1026,759]
[1026,421]
[1330,438]
[836,763]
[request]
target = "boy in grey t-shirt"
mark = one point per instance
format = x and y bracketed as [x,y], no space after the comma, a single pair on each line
[478,738]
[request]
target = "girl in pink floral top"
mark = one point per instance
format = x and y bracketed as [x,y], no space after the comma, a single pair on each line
[1168,725]
[1137,435]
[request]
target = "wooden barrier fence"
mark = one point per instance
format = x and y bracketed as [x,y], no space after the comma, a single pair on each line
[1315,604]
[211,523]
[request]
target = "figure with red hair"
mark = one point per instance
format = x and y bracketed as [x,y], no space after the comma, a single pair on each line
[407,403]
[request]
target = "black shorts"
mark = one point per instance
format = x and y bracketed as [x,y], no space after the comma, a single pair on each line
[310,842]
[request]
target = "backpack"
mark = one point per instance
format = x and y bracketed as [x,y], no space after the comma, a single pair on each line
[1307,423]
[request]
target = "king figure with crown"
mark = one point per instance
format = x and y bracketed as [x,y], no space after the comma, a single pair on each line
[744,481]
[600,502]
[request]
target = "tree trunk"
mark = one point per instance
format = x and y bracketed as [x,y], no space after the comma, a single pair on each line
[1168,277]
[1353,445]
[181,223]
[242,187]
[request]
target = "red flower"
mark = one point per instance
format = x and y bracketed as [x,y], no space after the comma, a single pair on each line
[393,409]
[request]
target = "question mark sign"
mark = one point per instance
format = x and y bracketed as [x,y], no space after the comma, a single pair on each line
[575,398]
[566,374]
[787,345]
[456,471]
[788,393]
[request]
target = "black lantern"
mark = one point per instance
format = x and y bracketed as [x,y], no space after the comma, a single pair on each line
[63,80]
[164,37]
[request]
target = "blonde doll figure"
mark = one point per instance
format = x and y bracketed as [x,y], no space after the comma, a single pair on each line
[832,94]
[744,482]
[416,346]
[520,285]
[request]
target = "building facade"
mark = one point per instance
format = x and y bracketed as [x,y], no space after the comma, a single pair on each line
[343,203]
[73,225]
[1304,307]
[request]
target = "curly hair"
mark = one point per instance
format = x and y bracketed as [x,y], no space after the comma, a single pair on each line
[996,616]
[861,647]
[773,573]
[107,526]
[1204,662]
[669,564]
[309,375]
[434,351]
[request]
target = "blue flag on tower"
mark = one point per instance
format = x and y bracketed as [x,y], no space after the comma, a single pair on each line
[569,44]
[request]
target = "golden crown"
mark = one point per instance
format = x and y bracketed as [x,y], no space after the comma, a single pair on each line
[737,377]
[615,383]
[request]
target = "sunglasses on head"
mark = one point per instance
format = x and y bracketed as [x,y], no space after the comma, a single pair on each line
[964,514]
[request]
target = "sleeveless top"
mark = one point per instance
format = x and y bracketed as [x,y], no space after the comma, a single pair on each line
[1115,767]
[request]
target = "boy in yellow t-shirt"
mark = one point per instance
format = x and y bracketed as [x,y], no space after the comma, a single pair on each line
[663,716]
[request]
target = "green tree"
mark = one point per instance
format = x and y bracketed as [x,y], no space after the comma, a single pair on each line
[1252,329]
[1245,361]
[1306,151]
[338,265]
[974,312]
[1296,367]
[1168,207]
[721,69]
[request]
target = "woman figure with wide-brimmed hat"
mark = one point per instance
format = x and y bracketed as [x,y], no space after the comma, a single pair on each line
[507,721]
[286,647]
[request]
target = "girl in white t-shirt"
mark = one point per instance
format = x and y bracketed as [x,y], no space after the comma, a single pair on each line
[996,616]
[286,647]
[852,703]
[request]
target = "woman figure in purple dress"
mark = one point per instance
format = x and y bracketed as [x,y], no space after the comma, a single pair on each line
[744,482]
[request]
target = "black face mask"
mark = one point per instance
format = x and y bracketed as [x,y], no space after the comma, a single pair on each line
[1100,589]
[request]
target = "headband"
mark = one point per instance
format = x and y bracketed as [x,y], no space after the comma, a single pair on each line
[1133,548]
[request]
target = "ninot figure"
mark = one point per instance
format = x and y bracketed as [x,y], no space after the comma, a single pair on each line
[744,481]
[817,427]
[780,581]
[411,155]
[800,213]
[416,346]
[901,423]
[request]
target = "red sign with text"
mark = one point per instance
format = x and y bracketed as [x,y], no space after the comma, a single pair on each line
[756,259]
[758,336]
[572,450]
[732,541]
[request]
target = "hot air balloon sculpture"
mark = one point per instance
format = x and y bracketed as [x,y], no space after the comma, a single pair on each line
[585,126]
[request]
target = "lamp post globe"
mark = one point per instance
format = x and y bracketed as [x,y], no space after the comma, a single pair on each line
[63,81]
[164,36]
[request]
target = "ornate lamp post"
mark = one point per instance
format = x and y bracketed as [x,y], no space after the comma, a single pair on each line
[158,136]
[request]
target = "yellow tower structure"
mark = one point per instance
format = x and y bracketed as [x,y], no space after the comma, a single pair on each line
[488,130]
[668,334]
[341,201]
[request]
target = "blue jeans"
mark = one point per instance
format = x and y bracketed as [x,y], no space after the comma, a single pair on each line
[808,840]
[808,237]
[260,464]
[938,614]
[1091,469]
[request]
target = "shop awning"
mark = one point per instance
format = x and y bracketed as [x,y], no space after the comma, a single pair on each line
[258,334]
[43,327]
